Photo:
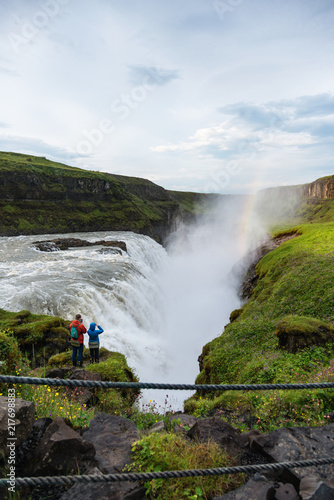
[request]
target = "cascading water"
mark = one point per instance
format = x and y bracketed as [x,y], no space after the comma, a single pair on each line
[157,307]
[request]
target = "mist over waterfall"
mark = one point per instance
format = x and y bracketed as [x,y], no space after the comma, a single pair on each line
[157,306]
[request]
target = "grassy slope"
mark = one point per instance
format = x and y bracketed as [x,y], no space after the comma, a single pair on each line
[133,204]
[296,281]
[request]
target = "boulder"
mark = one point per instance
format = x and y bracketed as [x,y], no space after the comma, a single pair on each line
[60,451]
[82,394]
[105,491]
[24,420]
[313,489]
[215,429]
[182,423]
[261,488]
[65,243]
[57,373]
[299,443]
[112,438]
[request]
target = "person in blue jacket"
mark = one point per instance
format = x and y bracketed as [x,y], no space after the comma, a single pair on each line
[94,342]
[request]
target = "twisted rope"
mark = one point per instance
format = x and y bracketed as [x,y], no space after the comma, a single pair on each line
[148,476]
[147,385]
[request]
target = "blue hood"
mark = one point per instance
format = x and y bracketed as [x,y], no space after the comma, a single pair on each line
[92,326]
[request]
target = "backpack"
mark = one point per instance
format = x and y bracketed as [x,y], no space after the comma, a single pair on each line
[74,332]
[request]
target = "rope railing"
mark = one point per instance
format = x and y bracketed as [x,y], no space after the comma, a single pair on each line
[11,379]
[148,476]
[70,480]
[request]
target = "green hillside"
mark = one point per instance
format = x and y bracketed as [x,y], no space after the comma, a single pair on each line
[284,333]
[40,196]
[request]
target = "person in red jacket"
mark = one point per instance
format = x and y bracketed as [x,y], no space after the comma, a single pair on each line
[78,344]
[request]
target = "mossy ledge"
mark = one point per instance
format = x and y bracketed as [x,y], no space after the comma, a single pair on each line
[40,196]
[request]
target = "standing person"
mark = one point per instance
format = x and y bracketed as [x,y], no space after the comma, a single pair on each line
[94,342]
[77,330]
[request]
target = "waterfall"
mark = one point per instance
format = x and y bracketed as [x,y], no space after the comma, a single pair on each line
[158,307]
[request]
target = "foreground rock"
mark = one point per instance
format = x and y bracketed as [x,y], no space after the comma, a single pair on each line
[54,448]
[21,423]
[299,443]
[112,438]
[60,451]
[290,444]
[215,429]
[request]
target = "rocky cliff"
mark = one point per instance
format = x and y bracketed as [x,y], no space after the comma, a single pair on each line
[38,196]
[321,188]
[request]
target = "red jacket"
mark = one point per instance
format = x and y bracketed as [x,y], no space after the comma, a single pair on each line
[80,329]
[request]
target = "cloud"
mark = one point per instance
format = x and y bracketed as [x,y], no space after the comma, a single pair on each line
[260,115]
[258,128]
[36,147]
[314,105]
[151,75]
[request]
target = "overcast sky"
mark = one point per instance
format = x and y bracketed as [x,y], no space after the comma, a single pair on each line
[224,96]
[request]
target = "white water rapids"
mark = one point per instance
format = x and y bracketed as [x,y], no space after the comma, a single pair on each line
[157,307]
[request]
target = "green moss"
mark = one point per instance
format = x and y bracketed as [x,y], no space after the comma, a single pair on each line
[38,336]
[298,332]
[235,314]
[10,355]
[172,452]
[115,369]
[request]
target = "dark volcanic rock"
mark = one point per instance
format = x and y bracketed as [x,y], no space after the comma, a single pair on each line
[66,243]
[60,451]
[112,438]
[215,429]
[23,421]
[299,443]
[82,394]
[261,488]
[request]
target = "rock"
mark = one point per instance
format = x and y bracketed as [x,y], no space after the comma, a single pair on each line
[57,373]
[299,443]
[104,491]
[82,394]
[182,423]
[26,449]
[60,451]
[157,427]
[252,490]
[296,333]
[282,492]
[246,438]
[324,492]
[215,429]
[262,488]
[245,269]
[112,438]
[118,244]
[24,420]
[313,489]
[65,243]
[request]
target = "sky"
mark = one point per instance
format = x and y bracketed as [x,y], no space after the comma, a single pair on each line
[224,96]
